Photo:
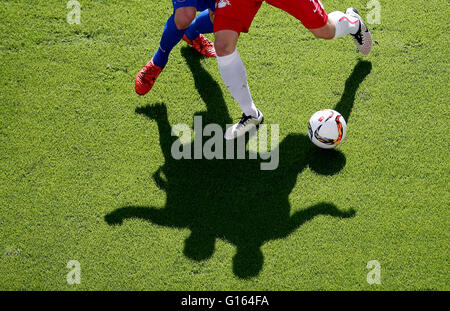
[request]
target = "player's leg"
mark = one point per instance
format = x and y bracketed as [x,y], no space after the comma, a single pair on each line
[326,32]
[328,26]
[232,18]
[174,30]
[351,23]
[194,34]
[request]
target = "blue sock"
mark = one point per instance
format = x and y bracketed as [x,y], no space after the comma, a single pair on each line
[202,24]
[170,37]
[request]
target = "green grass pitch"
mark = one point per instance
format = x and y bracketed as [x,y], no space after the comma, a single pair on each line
[86,175]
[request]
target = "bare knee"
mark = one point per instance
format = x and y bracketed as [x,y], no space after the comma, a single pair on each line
[184,17]
[224,48]
[225,42]
[211,16]
[326,32]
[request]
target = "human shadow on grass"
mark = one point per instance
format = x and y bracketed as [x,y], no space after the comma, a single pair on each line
[234,200]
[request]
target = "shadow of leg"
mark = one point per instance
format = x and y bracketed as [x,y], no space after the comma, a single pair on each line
[209,90]
[158,112]
[360,72]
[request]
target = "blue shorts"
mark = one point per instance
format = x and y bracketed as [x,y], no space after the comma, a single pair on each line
[200,5]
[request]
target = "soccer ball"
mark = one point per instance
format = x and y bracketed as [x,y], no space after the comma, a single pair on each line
[327,128]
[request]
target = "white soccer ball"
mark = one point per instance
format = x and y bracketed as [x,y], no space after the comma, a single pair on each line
[327,128]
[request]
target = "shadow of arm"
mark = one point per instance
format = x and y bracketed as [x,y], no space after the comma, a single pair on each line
[325,209]
[155,215]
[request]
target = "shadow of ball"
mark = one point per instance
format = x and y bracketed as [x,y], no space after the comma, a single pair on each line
[326,161]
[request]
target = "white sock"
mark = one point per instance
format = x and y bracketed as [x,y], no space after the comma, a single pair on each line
[345,24]
[234,76]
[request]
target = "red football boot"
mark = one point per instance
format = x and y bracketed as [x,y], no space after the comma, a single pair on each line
[202,45]
[146,78]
